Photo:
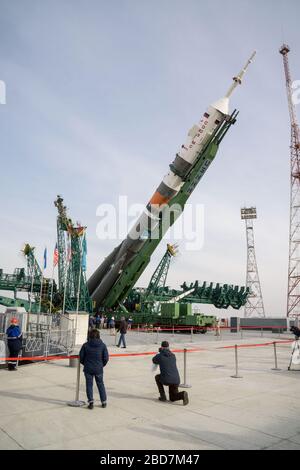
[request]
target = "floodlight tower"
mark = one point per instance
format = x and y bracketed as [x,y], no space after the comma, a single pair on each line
[293,295]
[255,304]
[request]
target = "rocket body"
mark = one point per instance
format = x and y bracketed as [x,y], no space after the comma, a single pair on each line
[107,273]
[112,267]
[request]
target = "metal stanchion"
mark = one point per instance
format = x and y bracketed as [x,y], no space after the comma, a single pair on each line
[184,385]
[173,331]
[236,376]
[157,331]
[275,357]
[77,403]
[241,330]
[138,329]
[47,341]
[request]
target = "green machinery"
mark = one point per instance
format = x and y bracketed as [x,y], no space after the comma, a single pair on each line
[159,304]
[29,281]
[71,293]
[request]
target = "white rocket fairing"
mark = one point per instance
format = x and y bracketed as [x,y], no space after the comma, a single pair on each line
[106,275]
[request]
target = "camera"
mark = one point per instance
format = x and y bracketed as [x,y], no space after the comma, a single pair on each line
[295,331]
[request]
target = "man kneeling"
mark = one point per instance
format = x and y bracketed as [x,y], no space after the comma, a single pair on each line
[168,375]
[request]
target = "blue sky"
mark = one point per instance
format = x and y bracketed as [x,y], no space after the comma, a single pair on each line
[100,95]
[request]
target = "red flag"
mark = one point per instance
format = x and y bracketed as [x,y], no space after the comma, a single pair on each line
[55,256]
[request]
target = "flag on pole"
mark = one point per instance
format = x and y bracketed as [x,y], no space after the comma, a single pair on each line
[69,252]
[45,258]
[84,253]
[55,256]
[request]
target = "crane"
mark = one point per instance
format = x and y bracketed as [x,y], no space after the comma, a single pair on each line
[293,294]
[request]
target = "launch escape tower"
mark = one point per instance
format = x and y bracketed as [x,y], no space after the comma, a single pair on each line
[293,294]
[254,305]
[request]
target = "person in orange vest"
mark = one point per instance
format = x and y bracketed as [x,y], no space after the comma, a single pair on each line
[14,342]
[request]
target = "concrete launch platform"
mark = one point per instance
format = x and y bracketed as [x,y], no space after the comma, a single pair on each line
[258,411]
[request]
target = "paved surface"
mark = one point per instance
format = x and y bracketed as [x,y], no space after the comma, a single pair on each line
[258,411]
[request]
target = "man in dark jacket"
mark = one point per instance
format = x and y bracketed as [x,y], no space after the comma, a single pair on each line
[168,375]
[14,342]
[94,356]
[123,330]
[98,321]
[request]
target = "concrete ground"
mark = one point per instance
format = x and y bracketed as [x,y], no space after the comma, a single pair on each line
[258,411]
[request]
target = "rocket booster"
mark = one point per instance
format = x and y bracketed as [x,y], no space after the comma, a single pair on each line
[108,272]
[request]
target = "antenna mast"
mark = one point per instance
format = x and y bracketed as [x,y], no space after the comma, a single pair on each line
[255,305]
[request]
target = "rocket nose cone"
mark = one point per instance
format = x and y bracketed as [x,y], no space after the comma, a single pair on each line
[222,105]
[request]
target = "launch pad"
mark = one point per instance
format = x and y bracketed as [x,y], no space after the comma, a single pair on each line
[256,412]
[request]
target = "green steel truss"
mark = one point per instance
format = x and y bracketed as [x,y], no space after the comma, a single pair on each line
[159,277]
[71,277]
[221,296]
[29,281]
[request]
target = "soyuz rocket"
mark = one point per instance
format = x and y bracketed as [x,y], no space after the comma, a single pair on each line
[110,270]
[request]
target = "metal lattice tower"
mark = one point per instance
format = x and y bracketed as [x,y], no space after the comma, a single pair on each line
[293,295]
[255,304]
[71,276]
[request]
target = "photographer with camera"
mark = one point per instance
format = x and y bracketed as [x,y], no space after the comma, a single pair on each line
[295,356]
[295,331]
[168,375]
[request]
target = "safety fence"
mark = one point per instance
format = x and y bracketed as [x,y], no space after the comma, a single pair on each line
[42,334]
[45,344]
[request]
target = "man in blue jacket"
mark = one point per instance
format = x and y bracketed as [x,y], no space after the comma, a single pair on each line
[14,342]
[94,356]
[169,375]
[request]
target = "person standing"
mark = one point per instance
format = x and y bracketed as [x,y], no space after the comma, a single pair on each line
[14,342]
[97,321]
[217,333]
[94,356]
[129,323]
[169,375]
[123,330]
[112,326]
[91,322]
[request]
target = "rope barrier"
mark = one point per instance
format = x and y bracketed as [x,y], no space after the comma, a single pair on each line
[149,353]
[55,358]
[207,328]
[255,345]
